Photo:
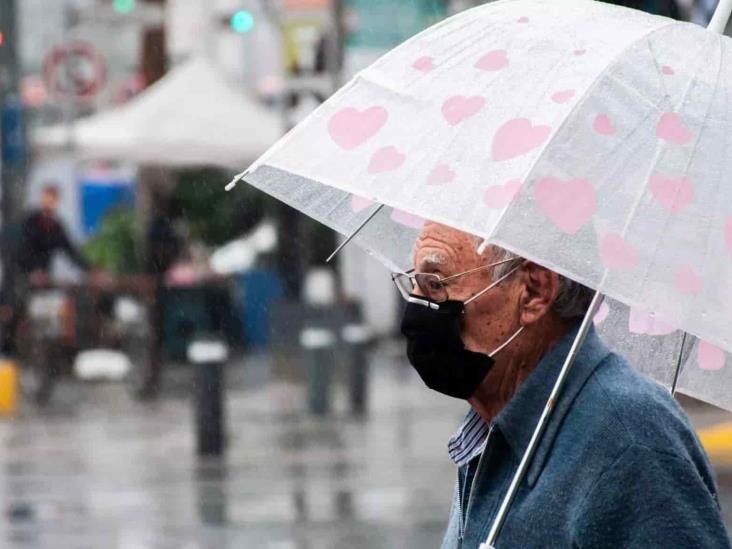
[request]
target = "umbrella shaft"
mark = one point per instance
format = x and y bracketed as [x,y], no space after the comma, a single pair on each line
[543,420]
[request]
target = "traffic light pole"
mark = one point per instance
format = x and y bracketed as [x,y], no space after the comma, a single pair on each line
[151,180]
[337,55]
[12,138]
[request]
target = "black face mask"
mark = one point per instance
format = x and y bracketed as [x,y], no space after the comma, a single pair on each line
[436,351]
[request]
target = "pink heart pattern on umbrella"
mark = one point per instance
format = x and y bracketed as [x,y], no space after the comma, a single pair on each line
[440,175]
[493,61]
[673,193]
[709,357]
[563,96]
[567,204]
[459,108]
[500,196]
[668,71]
[640,322]
[523,19]
[671,128]
[688,282]
[518,137]
[424,63]
[728,234]
[386,159]
[602,313]
[359,203]
[616,253]
[603,125]
[407,219]
[350,128]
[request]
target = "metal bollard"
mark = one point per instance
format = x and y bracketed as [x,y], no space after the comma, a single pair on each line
[318,347]
[357,338]
[208,357]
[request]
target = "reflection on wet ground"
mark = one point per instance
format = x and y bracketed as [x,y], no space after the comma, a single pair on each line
[99,470]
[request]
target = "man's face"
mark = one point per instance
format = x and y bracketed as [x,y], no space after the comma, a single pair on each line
[494,316]
[49,202]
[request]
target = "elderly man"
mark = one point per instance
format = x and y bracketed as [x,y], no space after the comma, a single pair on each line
[618,466]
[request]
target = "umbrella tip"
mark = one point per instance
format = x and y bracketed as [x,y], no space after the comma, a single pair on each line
[234,181]
[481,247]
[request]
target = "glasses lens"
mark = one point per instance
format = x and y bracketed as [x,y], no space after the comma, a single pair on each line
[403,284]
[431,286]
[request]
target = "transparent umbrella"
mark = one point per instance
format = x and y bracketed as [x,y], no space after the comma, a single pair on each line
[590,138]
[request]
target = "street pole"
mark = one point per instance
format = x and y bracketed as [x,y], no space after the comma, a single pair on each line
[337,55]
[289,222]
[153,49]
[12,169]
[321,240]
[151,178]
[69,101]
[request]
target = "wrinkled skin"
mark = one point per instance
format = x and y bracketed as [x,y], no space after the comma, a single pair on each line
[523,299]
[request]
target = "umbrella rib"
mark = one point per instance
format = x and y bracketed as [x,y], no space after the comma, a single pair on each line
[574,109]
[629,220]
[354,233]
[645,181]
[679,362]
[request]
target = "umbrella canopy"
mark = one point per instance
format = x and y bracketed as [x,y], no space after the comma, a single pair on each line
[190,117]
[590,138]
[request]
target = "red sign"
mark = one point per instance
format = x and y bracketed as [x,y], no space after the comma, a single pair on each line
[76,69]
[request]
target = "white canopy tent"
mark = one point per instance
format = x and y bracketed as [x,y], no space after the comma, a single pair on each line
[190,117]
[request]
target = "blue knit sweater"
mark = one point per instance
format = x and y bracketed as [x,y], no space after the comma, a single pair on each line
[619,466]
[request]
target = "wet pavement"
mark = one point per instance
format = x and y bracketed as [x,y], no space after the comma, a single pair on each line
[97,469]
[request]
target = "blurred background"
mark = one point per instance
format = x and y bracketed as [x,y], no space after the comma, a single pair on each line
[180,368]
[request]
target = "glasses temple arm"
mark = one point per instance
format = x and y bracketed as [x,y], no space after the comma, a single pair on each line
[479,268]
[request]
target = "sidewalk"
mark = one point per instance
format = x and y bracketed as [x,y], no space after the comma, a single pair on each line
[98,470]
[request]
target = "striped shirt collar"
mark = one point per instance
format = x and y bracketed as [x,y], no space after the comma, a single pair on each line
[518,419]
[469,439]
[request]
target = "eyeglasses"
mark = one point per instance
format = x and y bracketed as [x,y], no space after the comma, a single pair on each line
[433,285]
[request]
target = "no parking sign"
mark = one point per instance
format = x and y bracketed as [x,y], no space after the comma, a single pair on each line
[75,70]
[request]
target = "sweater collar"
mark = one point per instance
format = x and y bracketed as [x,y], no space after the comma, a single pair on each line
[519,417]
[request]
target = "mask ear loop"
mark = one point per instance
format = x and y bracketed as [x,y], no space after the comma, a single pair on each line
[496,283]
[505,344]
[476,296]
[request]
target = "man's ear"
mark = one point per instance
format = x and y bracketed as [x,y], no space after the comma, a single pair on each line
[541,288]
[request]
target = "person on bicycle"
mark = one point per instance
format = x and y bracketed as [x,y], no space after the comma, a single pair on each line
[42,234]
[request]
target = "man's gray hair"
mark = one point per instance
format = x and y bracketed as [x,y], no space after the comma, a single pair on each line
[573,298]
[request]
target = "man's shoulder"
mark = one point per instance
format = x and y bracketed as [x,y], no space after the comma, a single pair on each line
[31,216]
[638,410]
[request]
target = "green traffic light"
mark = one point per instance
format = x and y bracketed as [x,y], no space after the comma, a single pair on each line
[242,21]
[124,6]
